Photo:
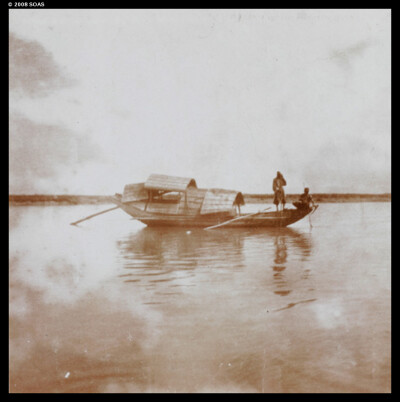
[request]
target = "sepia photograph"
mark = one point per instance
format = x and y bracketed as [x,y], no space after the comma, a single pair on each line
[199,200]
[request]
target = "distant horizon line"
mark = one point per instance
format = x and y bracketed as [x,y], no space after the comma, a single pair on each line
[249,198]
[247,193]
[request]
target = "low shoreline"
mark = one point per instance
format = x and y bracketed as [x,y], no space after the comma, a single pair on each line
[64,199]
[321,198]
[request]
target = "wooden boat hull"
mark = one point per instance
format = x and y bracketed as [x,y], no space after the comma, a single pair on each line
[261,220]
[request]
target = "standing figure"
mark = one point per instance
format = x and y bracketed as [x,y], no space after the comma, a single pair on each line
[277,187]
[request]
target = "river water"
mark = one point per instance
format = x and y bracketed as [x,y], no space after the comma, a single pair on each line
[113,306]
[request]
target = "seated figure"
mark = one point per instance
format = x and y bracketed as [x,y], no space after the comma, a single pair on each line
[305,200]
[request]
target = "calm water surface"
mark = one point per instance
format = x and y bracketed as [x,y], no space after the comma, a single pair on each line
[113,306]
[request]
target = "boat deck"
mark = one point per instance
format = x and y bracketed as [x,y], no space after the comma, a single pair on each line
[262,219]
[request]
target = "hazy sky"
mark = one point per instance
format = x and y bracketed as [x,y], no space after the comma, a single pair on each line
[101,98]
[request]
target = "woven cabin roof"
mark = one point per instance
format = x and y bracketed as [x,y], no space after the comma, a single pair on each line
[169,183]
[134,192]
[219,200]
[191,203]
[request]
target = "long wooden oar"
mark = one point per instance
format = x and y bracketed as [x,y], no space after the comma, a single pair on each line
[235,219]
[92,216]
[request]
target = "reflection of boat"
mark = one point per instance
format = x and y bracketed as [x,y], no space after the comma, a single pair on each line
[175,253]
[174,248]
[176,201]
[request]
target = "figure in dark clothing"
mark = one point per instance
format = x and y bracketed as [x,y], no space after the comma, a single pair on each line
[279,192]
[305,200]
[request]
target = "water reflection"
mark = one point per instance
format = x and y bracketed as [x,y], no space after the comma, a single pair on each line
[178,258]
[300,244]
[160,245]
[112,307]
[153,252]
[280,265]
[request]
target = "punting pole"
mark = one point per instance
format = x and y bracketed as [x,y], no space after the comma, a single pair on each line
[309,215]
[235,219]
[92,216]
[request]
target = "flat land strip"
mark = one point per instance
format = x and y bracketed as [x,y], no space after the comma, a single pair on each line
[65,199]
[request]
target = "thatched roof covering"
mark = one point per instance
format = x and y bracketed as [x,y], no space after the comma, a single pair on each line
[219,200]
[134,192]
[169,183]
[192,201]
